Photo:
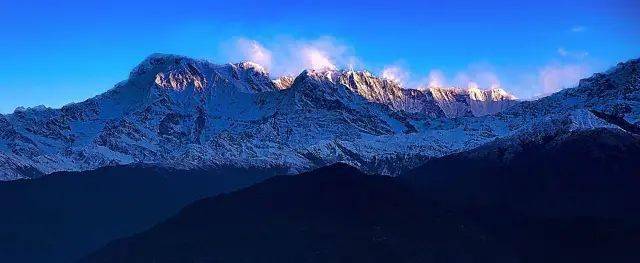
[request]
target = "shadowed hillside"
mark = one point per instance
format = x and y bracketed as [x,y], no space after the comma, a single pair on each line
[61,217]
[334,214]
[563,197]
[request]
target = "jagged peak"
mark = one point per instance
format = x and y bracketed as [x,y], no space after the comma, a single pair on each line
[499,92]
[249,65]
[620,80]
[34,108]
[361,81]
[283,82]
[632,63]
[321,74]
[164,57]
[334,75]
[628,71]
[474,93]
[160,61]
[178,72]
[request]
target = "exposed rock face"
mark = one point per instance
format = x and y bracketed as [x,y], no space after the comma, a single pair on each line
[283,82]
[434,102]
[180,112]
[179,79]
[390,93]
[472,102]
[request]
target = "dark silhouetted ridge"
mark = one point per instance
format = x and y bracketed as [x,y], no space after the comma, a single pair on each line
[333,214]
[64,216]
[565,198]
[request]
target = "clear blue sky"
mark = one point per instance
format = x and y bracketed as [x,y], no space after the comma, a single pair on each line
[56,52]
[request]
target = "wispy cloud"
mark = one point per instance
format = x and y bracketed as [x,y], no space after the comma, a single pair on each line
[578,29]
[396,73]
[537,82]
[480,75]
[556,76]
[436,78]
[288,56]
[251,50]
[572,54]
[477,75]
[315,58]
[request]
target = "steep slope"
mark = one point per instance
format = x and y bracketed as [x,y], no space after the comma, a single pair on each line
[334,214]
[605,100]
[472,101]
[283,82]
[184,113]
[166,102]
[388,92]
[62,217]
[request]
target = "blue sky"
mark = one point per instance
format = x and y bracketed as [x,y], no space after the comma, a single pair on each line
[57,52]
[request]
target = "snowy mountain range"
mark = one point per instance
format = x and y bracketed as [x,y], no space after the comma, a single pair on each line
[179,112]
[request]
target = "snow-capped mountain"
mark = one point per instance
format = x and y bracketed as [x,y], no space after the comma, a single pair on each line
[283,82]
[472,102]
[180,112]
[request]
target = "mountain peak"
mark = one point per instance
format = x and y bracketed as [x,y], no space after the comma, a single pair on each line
[283,82]
[249,65]
[183,112]
[34,109]
[623,74]
[474,93]
[178,72]
[321,74]
[160,61]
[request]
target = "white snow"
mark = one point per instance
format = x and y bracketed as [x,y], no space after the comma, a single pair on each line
[180,112]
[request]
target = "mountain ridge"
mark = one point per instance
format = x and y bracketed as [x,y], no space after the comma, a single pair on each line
[180,112]
[332,214]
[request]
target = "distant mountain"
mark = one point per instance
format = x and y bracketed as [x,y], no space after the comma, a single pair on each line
[64,216]
[472,101]
[567,196]
[183,113]
[333,214]
[179,112]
